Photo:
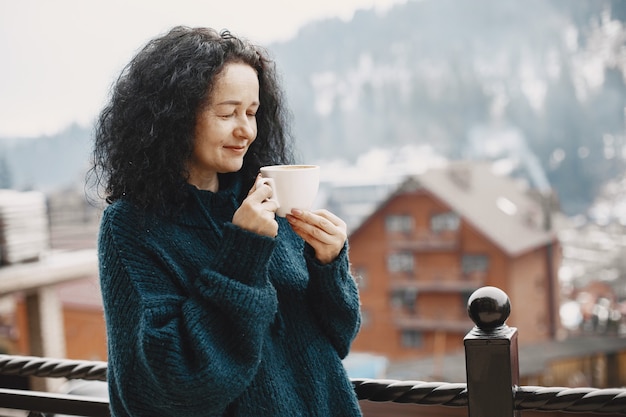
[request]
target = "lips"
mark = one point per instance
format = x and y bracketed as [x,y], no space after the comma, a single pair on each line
[236,148]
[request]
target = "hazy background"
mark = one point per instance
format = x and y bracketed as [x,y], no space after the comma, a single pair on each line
[59,57]
[375,86]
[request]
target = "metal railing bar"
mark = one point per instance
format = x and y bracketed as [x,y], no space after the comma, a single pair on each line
[46,402]
[572,400]
[490,340]
[53,368]
[380,390]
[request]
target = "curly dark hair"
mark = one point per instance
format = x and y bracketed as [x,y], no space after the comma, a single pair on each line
[144,136]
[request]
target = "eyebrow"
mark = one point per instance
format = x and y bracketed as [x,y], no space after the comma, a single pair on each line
[234,103]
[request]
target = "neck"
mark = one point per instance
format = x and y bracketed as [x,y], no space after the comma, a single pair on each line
[208,184]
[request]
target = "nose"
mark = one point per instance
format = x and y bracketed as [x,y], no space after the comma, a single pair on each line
[246,128]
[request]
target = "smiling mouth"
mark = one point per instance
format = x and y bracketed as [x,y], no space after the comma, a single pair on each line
[236,148]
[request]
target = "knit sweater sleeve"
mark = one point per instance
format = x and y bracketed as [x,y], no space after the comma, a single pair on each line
[333,296]
[185,352]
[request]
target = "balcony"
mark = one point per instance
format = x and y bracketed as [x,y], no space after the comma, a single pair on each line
[406,322]
[492,390]
[425,241]
[439,280]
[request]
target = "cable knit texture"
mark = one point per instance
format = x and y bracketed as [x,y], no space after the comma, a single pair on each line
[206,319]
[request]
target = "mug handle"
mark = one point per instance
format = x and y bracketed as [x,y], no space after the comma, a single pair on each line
[272,185]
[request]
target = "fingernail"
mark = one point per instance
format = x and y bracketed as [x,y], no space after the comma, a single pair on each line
[296,212]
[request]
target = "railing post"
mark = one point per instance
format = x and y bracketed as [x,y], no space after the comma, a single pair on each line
[45,331]
[491,357]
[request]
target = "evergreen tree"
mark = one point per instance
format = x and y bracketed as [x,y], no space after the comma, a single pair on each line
[6,179]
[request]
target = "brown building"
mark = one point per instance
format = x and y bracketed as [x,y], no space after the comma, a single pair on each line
[437,238]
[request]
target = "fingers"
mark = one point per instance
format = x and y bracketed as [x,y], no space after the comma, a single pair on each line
[318,221]
[331,217]
[260,191]
[257,211]
[324,231]
[270,205]
[257,217]
[253,189]
[260,195]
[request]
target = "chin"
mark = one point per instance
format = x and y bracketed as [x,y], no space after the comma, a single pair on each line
[232,168]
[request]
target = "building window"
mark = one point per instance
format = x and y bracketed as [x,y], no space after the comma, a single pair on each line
[365,318]
[360,276]
[540,283]
[412,338]
[465,296]
[474,264]
[405,299]
[401,262]
[399,223]
[448,221]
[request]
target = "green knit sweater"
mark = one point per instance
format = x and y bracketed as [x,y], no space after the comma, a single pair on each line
[206,319]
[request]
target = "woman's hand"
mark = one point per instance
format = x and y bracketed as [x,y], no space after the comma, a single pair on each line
[321,229]
[257,213]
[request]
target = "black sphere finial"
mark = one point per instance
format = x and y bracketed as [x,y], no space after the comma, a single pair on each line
[489,307]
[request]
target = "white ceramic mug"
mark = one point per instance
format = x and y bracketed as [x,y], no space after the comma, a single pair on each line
[293,186]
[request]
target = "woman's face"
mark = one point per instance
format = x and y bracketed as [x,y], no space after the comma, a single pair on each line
[226,127]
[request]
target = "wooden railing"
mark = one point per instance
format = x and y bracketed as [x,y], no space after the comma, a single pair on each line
[491,367]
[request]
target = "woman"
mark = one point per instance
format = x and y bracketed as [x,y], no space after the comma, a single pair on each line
[214,306]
